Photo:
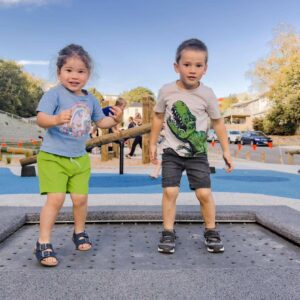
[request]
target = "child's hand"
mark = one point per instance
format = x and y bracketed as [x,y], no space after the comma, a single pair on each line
[64,117]
[228,161]
[116,113]
[153,154]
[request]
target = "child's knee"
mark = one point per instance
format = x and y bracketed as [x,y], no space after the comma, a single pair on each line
[55,201]
[171,193]
[79,201]
[204,195]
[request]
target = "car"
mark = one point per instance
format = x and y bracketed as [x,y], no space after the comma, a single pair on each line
[234,136]
[255,138]
[211,135]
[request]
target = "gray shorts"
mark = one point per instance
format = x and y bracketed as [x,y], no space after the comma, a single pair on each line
[173,165]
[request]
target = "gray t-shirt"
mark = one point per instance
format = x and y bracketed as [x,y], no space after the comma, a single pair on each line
[69,139]
[186,116]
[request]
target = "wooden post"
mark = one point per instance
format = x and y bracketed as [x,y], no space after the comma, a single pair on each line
[236,153]
[148,104]
[104,148]
[248,155]
[290,158]
[116,149]
[263,156]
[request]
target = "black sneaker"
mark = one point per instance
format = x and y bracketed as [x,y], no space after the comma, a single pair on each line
[213,241]
[167,242]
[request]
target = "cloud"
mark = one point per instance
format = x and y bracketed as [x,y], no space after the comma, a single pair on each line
[33,62]
[26,2]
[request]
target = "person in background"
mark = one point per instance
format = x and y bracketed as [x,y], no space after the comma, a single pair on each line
[131,124]
[138,139]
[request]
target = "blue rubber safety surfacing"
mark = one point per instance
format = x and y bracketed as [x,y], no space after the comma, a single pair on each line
[240,181]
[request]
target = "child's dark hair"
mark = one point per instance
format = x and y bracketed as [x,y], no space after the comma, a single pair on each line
[120,101]
[73,50]
[193,44]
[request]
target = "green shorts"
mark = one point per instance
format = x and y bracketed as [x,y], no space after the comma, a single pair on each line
[60,174]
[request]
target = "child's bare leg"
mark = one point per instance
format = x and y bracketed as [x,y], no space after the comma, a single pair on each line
[47,219]
[80,213]
[208,208]
[169,207]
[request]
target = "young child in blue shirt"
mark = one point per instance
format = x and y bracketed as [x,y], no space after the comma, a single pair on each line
[185,106]
[66,111]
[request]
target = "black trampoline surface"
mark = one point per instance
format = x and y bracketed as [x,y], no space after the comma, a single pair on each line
[133,246]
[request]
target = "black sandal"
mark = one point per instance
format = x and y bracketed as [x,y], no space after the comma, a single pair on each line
[42,251]
[80,239]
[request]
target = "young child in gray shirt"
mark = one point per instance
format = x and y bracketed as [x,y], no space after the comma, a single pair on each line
[185,106]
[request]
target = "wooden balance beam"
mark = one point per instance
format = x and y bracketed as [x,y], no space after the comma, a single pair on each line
[291,154]
[102,140]
[17,150]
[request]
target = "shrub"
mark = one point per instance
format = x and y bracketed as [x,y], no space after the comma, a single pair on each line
[278,121]
[258,124]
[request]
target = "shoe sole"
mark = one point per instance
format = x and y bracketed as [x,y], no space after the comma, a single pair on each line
[211,250]
[164,251]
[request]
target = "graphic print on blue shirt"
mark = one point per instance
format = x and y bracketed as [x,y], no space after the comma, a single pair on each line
[80,123]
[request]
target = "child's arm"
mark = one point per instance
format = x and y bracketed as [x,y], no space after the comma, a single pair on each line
[46,121]
[220,129]
[114,118]
[157,123]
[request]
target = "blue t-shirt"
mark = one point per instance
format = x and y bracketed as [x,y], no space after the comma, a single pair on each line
[69,139]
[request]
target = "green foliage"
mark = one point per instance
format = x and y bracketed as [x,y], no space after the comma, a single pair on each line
[96,93]
[0,156]
[19,92]
[227,102]
[278,121]
[278,75]
[258,124]
[137,94]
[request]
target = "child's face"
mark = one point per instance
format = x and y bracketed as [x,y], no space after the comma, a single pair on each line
[191,67]
[74,75]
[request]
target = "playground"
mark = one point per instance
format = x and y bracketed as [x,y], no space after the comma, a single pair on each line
[258,214]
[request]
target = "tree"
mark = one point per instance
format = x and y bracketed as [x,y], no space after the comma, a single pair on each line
[258,124]
[137,94]
[97,94]
[227,102]
[19,92]
[32,98]
[278,76]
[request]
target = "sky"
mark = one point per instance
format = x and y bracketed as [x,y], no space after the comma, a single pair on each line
[133,42]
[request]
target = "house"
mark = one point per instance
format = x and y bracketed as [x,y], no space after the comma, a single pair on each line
[240,115]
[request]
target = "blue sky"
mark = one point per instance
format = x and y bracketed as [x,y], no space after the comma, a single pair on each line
[133,42]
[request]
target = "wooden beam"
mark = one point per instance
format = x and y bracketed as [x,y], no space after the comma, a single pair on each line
[17,150]
[292,152]
[28,160]
[114,137]
[102,140]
